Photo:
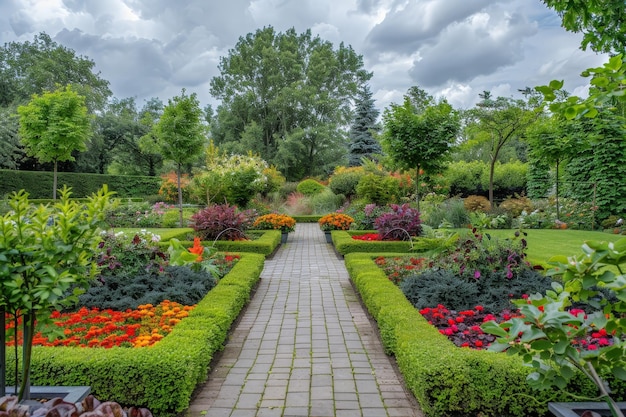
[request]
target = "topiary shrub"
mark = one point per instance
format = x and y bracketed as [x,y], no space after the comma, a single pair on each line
[400,221]
[222,221]
[310,187]
[344,181]
[474,203]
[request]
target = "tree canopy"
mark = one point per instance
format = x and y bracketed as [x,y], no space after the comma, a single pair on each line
[53,125]
[363,144]
[419,134]
[288,98]
[28,68]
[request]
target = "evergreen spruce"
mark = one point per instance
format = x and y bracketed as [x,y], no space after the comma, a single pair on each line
[362,141]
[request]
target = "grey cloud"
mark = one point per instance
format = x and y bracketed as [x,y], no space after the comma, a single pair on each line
[419,23]
[21,23]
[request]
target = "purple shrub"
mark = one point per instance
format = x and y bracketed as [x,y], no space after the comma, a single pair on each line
[403,221]
[222,221]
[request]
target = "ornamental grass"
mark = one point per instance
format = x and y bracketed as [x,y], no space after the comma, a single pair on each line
[335,221]
[275,221]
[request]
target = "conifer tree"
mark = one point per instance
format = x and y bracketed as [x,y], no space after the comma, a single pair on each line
[361,135]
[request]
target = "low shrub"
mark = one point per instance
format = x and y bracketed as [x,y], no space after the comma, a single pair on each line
[222,221]
[310,187]
[344,181]
[400,223]
[364,214]
[514,206]
[476,203]
[378,189]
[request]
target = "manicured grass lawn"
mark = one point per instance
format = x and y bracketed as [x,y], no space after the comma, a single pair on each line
[546,243]
[166,234]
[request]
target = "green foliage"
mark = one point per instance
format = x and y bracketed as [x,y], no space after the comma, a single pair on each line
[364,214]
[123,290]
[310,187]
[378,189]
[38,184]
[344,244]
[345,180]
[363,144]
[546,334]
[326,201]
[44,252]
[419,133]
[600,21]
[472,178]
[514,206]
[450,213]
[292,118]
[163,377]
[54,125]
[222,221]
[445,380]
[42,65]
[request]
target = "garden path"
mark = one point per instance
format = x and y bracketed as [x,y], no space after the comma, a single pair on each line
[304,346]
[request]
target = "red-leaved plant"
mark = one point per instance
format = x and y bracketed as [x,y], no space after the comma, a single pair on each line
[402,223]
[222,221]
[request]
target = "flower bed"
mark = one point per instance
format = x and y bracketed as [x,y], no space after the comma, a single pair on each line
[108,328]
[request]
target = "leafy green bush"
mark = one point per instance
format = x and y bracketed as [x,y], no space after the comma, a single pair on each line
[450,213]
[344,181]
[222,221]
[325,201]
[516,205]
[364,214]
[119,253]
[310,187]
[378,189]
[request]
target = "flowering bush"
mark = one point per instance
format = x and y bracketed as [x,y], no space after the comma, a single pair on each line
[364,215]
[398,268]
[222,221]
[402,222]
[368,237]
[335,221]
[276,221]
[141,327]
[121,254]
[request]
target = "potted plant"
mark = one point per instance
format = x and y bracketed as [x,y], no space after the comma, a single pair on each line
[334,221]
[46,259]
[275,221]
[576,328]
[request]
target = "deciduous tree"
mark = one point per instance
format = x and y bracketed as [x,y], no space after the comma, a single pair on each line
[181,135]
[419,134]
[53,125]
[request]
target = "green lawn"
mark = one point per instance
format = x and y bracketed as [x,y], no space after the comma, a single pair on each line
[166,234]
[546,243]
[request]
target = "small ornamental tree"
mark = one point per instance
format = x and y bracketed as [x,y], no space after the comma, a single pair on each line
[53,125]
[181,136]
[46,260]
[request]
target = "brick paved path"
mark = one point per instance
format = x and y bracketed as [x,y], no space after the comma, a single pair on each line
[304,346]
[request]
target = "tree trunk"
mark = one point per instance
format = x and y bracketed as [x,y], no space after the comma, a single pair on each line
[558,214]
[492,168]
[27,347]
[54,181]
[180,197]
[417,186]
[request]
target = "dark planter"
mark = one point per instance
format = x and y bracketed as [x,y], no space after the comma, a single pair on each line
[70,394]
[283,237]
[329,238]
[576,409]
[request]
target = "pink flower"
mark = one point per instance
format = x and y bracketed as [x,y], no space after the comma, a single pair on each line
[476,274]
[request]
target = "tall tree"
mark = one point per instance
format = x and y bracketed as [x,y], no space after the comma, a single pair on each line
[420,133]
[497,122]
[53,125]
[287,97]
[365,124]
[28,68]
[11,150]
[181,135]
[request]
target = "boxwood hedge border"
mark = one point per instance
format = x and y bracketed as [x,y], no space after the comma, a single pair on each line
[161,377]
[447,380]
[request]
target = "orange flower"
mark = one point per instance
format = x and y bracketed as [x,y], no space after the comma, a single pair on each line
[335,221]
[197,249]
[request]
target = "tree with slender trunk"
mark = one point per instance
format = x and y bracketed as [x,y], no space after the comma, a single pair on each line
[53,125]
[181,135]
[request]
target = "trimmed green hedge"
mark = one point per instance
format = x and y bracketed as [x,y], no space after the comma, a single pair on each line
[38,184]
[161,377]
[445,379]
[310,218]
[264,245]
[344,243]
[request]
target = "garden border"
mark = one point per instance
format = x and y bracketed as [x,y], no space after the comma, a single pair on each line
[447,380]
[161,377]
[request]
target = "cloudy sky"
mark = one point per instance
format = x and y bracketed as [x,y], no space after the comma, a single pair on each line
[450,48]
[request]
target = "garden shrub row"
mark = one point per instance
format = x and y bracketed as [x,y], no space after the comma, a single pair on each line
[164,376]
[445,379]
[264,245]
[344,243]
[39,184]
